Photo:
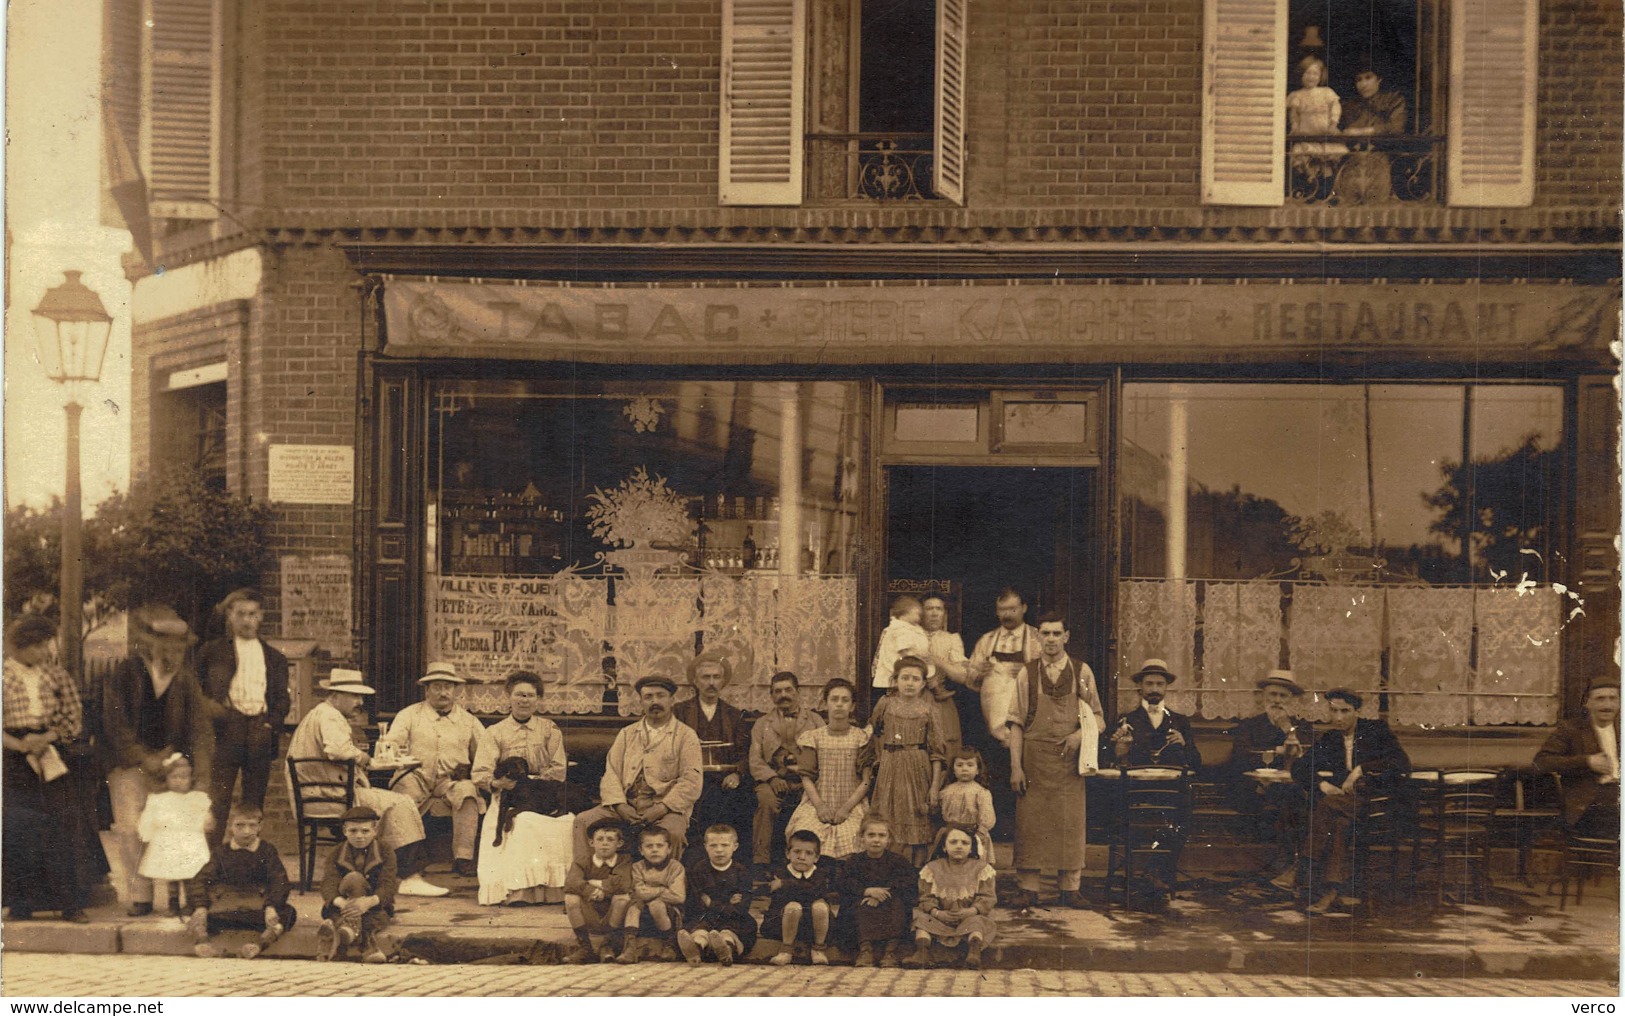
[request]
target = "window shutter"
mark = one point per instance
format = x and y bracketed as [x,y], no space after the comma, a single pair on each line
[762,101]
[181,94]
[1244,102]
[1492,102]
[949,183]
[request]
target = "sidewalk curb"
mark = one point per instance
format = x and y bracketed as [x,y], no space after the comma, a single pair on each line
[446,945]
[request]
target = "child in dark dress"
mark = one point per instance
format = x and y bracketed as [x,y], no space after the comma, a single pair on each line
[244,885]
[801,887]
[879,890]
[719,893]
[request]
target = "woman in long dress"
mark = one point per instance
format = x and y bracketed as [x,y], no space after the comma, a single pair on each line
[532,862]
[50,858]
[835,763]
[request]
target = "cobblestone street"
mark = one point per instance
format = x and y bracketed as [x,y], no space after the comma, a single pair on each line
[149,976]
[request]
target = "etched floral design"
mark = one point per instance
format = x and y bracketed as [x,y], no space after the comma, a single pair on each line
[640,512]
[644,412]
[432,320]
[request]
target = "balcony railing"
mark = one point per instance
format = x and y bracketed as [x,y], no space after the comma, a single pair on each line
[1343,169]
[871,167]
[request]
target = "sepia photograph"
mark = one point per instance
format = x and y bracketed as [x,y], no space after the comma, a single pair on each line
[812,498]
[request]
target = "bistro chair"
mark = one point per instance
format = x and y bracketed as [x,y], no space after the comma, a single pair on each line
[317,807]
[1384,828]
[1457,818]
[1585,857]
[1154,808]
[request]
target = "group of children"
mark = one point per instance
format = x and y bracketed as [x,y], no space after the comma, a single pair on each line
[872,902]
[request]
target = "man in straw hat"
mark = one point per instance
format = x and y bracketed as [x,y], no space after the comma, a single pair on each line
[652,773]
[724,742]
[152,707]
[446,739]
[324,733]
[1270,740]
[1584,750]
[1159,736]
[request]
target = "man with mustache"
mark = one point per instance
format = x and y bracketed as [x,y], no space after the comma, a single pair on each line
[1585,752]
[724,740]
[773,761]
[1272,739]
[652,775]
[1000,659]
[1161,737]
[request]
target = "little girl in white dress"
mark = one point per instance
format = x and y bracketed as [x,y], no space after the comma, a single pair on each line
[175,827]
[1314,109]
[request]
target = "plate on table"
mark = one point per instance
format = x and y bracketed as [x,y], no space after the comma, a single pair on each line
[1155,774]
[1270,775]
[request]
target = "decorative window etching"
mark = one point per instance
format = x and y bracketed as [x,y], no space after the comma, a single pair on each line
[1241,642]
[1335,639]
[1519,640]
[1430,633]
[1157,620]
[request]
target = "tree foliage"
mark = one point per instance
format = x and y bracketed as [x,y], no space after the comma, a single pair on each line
[1502,503]
[172,539]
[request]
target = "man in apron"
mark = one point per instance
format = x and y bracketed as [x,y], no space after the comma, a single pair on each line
[1048,708]
[1000,658]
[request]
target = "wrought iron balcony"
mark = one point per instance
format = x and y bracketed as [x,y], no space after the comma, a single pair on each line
[870,167]
[1371,169]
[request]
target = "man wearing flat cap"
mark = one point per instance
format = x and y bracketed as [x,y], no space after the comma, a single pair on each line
[724,742]
[773,752]
[445,738]
[152,707]
[1584,751]
[1349,763]
[1271,740]
[652,773]
[325,735]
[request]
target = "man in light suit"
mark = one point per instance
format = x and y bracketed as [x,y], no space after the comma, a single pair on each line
[1585,753]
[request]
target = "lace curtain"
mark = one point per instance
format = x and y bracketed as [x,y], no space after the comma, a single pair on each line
[1519,634]
[1156,619]
[1430,639]
[1335,640]
[1241,642]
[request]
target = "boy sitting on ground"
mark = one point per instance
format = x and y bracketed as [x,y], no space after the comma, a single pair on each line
[721,889]
[659,887]
[596,894]
[244,886]
[358,890]
[801,887]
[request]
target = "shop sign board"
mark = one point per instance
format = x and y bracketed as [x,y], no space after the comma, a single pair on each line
[909,322]
[312,474]
[316,601]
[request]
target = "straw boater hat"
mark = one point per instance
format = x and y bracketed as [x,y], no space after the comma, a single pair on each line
[440,671]
[1154,667]
[1281,679]
[349,681]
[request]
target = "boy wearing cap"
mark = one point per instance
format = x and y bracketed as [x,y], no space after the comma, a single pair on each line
[652,774]
[358,890]
[324,734]
[446,739]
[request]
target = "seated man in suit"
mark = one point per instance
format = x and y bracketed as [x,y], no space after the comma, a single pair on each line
[1585,752]
[1154,735]
[729,798]
[1349,763]
[1272,739]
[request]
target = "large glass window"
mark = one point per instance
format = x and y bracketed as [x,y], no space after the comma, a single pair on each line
[1399,538]
[610,531]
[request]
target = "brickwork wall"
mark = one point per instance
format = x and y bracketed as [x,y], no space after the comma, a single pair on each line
[207,335]
[493,112]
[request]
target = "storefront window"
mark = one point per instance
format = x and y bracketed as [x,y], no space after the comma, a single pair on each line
[1400,539]
[611,531]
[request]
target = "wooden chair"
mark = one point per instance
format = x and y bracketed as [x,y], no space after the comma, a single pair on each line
[1457,817]
[318,805]
[1155,807]
[1385,827]
[1584,857]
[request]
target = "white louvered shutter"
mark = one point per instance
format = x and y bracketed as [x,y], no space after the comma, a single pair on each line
[1493,51]
[1244,102]
[181,97]
[763,107]
[949,182]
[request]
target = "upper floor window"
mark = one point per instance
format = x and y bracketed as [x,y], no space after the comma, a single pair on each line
[883,119]
[1369,102]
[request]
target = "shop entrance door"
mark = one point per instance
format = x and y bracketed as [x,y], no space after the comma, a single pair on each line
[976,529]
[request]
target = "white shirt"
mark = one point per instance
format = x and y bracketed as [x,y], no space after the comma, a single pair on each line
[1605,737]
[710,712]
[1157,714]
[247,692]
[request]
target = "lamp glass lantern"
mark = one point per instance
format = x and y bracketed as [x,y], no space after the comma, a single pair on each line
[71,328]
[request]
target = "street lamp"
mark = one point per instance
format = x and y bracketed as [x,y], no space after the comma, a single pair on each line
[70,334]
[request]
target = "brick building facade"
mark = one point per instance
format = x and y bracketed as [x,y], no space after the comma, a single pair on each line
[446,236]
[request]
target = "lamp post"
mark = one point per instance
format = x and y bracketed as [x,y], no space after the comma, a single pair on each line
[70,334]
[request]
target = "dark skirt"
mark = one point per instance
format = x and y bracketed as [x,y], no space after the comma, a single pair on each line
[51,854]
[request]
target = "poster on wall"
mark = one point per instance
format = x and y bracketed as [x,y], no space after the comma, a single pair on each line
[316,601]
[312,474]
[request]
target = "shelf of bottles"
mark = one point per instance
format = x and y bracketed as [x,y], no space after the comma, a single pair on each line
[500,533]
[738,534]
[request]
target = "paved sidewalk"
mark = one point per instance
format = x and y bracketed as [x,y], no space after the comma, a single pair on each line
[1214,926]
